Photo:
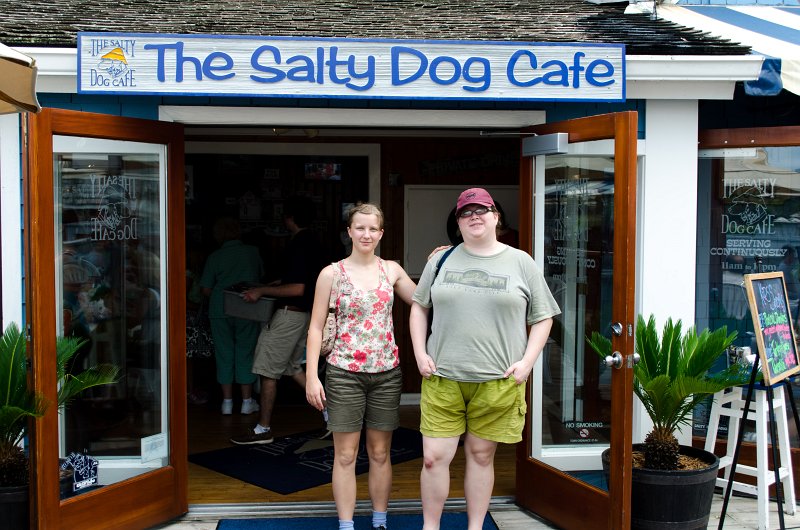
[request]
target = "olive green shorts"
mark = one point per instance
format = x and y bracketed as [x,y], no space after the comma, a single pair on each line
[491,410]
[358,398]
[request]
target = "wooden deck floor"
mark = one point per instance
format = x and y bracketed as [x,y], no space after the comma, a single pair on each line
[208,430]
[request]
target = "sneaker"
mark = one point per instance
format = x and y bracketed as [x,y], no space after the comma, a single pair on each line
[381,527]
[250,406]
[227,407]
[254,438]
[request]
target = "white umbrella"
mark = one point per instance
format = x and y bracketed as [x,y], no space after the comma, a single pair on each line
[17,82]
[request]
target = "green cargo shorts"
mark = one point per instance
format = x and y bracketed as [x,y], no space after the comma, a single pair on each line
[358,398]
[491,410]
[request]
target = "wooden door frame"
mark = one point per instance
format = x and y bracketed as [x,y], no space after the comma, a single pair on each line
[567,500]
[156,496]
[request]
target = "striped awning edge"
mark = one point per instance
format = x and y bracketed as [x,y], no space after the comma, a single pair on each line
[773,32]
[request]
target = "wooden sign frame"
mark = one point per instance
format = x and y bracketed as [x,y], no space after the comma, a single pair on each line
[774,329]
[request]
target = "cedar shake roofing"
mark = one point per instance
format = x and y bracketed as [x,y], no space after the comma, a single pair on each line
[55,23]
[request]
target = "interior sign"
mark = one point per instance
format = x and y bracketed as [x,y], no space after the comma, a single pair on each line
[244,66]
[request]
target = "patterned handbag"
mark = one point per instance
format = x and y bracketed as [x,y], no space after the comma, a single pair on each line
[199,341]
[329,329]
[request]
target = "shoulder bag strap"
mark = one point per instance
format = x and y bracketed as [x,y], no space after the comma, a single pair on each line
[334,289]
[441,262]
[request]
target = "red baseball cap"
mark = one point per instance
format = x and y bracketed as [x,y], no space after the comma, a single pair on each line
[474,196]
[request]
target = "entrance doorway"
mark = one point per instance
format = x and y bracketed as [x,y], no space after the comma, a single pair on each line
[462,158]
[229,173]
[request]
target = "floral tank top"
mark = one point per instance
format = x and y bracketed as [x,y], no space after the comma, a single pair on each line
[364,326]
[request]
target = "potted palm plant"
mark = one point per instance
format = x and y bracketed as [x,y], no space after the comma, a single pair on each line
[19,404]
[673,484]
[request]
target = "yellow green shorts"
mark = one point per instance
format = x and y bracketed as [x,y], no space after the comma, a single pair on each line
[491,410]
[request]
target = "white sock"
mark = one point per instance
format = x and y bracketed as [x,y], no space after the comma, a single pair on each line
[378,519]
[259,429]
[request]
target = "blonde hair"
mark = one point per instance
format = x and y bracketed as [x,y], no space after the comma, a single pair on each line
[365,208]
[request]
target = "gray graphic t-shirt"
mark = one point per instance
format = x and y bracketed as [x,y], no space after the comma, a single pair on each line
[481,306]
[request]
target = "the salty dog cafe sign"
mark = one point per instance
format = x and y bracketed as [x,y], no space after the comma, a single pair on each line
[348,68]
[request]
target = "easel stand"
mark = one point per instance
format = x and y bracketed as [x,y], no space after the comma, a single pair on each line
[764,404]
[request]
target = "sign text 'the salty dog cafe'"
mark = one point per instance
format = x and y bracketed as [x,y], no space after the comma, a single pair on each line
[349,68]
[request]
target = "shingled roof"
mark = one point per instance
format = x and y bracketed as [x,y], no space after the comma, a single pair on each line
[55,23]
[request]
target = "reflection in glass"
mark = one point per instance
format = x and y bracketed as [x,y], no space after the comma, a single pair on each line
[578,238]
[110,283]
[748,221]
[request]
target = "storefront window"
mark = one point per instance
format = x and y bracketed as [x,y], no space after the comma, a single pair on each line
[110,284]
[748,222]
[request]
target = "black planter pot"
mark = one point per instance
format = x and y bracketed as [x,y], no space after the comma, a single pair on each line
[14,507]
[672,500]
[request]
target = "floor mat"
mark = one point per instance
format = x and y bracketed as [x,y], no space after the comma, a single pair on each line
[297,462]
[449,521]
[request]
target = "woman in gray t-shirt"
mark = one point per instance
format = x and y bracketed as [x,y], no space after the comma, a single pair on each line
[479,353]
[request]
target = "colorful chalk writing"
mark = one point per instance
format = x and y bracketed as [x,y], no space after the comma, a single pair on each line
[773,323]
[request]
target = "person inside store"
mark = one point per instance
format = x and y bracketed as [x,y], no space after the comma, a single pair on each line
[478,356]
[199,343]
[363,377]
[505,233]
[281,343]
[234,338]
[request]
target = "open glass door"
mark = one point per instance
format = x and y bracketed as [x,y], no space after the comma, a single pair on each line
[105,263]
[578,211]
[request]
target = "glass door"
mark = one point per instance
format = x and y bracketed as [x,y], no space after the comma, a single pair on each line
[111,286]
[581,203]
[105,262]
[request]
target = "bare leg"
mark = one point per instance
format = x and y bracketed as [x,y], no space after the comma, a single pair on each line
[300,378]
[247,391]
[379,444]
[434,481]
[345,452]
[478,478]
[227,391]
[269,389]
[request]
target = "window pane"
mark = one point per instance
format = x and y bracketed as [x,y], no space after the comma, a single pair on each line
[748,222]
[576,385]
[111,286]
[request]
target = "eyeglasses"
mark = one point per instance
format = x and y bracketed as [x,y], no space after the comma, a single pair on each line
[476,211]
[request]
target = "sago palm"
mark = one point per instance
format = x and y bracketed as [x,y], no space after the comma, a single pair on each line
[18,403]
[672,378]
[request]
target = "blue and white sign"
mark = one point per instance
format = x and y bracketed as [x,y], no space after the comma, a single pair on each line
[209,65]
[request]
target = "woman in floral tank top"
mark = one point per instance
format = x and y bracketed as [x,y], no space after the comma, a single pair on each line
[363,380]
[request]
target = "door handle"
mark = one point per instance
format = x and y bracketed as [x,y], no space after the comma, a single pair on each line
[617,329]
[635,359]
[614,360]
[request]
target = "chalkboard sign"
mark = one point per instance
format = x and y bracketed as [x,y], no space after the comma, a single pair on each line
[769,305]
